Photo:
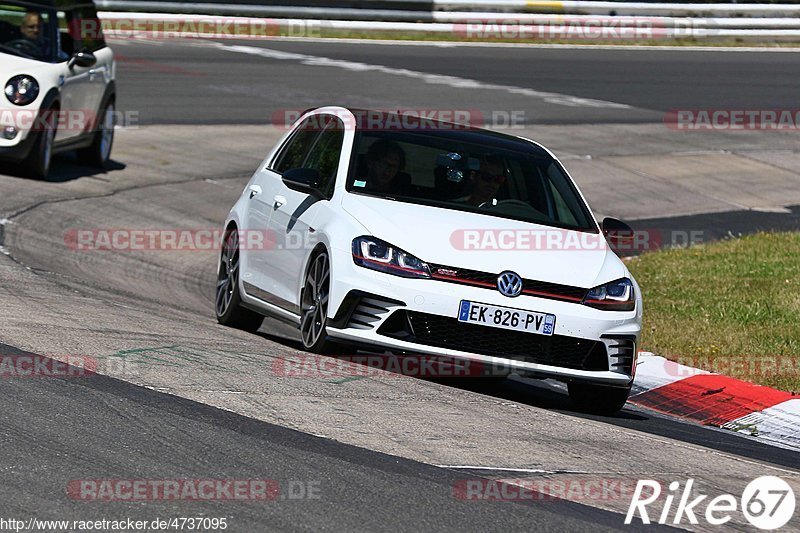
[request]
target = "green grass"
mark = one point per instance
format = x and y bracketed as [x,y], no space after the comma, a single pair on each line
[732,307]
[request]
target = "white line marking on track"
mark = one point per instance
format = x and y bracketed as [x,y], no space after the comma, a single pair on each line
[573,46]
[433,79]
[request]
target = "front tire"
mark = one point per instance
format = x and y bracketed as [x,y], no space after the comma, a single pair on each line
[598,399]
[314,306]
[228,301]
[37,164]
[99,152]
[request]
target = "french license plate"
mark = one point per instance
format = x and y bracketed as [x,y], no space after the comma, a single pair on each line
[506,318]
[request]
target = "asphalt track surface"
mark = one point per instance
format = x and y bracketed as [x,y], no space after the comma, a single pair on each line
[62,429]
[191,426]
[651,81]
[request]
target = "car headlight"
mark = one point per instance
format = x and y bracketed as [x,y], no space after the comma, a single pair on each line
[376,254]
[615,296]
[22,90]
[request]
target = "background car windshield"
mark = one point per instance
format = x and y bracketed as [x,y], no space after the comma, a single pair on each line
[501,177]
[26,32]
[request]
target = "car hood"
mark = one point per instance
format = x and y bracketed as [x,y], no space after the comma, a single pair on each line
[44,73]
[487,243]
[11,65]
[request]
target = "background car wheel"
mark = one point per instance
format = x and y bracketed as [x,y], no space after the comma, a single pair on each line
[228,300]
[37,164]
[598,399]
[99,152]
[314,306]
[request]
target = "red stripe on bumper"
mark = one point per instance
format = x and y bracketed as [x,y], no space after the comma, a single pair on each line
[710,398]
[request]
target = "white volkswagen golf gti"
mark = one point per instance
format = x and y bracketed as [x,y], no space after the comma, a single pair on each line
[379,231]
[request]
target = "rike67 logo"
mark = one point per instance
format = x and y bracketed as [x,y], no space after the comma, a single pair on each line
[768,502]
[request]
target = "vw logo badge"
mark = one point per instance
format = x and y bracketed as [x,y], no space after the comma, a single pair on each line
[509,284]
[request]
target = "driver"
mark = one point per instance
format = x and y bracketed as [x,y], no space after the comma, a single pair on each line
[31,27]
[486,181]
[30,30]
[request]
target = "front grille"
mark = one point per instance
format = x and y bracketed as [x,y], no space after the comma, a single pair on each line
[530,287]
[448,332]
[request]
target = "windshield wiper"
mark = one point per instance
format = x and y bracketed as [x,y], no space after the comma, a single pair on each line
[376,195]
[384,196]
[16,52]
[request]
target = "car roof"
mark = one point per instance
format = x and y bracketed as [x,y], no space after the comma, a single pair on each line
[466,133]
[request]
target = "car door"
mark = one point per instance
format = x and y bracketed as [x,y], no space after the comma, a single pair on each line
[262,195]
[75,82]
[92,40]
[293,212]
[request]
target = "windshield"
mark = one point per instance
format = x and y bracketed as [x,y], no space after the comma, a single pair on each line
[473,172]
[26,32]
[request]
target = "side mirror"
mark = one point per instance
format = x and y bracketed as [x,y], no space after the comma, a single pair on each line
[305,180]
[618,234]
[82,59]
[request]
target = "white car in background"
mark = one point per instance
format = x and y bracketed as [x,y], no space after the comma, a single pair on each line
[421,237]
[58,84]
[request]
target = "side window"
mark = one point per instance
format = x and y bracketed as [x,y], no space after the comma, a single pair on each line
[324,156]
[80,30]
[294,152]
[29,30]
[92,30]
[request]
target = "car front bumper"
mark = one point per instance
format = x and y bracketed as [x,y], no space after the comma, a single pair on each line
[590,345]
[18,147]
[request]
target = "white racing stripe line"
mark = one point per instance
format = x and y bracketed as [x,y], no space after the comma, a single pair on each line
[433,79]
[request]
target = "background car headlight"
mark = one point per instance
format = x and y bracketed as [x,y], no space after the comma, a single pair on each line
[376,254]
[22,90]
[615,296]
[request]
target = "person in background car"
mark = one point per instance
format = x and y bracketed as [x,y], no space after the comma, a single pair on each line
[32,41]
[31,27]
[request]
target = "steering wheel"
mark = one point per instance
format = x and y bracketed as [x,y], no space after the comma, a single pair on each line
[510,201]
[25,46]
